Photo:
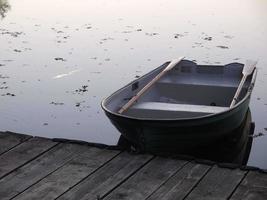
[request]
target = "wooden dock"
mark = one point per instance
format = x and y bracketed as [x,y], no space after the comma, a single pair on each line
[40,168]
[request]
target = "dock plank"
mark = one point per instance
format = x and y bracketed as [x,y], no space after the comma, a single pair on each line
[107,178]
[38,168]
[218,184]
[178,186]
[19,180]
[253,187]
[148,179]
[9,140]
[68,175]
[23,153]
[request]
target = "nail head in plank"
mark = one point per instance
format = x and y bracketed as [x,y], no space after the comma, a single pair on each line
[218,184]
[253,187]
[68,175]
[19,180]
[108,177]
[9,140]
[23,153]
[142,184]
[178,186]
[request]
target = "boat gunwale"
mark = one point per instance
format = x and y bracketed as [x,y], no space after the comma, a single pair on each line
[250,88]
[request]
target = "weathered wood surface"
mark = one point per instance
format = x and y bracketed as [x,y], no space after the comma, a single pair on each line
[29,174]
[254,186]
[9,140]
[109,177]
[23,153]
[179,185]
[219,183]
[38,168]
[147,179]
[68,175]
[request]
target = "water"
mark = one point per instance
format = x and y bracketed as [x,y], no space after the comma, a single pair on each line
[59,59]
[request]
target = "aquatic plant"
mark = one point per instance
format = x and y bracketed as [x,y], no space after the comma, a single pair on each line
[4,7]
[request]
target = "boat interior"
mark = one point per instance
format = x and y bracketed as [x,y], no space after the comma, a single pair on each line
[188,90]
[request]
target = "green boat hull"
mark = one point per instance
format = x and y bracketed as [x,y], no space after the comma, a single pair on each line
[177,135]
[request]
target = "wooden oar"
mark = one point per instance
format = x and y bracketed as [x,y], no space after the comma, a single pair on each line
[247,70]
[144,89]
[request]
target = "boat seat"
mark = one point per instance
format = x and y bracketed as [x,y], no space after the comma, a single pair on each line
[165,110]
[179,107]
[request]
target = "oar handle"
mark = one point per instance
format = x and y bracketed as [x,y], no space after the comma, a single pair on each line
[237,93]
[144,89]
[247,70]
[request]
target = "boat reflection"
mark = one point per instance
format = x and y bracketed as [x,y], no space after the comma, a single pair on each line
[235,148]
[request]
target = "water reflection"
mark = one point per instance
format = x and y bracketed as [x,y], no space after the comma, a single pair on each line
[4,7]
[234,148]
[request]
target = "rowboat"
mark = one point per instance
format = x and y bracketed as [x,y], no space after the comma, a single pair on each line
[186,107]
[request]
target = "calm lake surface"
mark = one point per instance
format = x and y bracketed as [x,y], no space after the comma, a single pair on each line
[59,59]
